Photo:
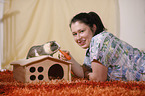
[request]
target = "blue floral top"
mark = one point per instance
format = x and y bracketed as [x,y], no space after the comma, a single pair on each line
[122,60]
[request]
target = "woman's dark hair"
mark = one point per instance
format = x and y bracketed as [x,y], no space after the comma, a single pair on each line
[89,19]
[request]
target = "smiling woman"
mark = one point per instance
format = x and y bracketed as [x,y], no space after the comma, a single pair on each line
[84,26]
[108,57]
[82,34]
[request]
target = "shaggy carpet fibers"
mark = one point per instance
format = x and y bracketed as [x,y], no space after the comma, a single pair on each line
[77,87]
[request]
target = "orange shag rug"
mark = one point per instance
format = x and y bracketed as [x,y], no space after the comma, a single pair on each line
[78,87]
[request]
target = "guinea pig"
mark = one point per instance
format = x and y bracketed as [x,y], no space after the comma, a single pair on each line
[48,48]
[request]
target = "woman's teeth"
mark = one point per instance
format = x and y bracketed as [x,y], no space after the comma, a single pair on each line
[81,42]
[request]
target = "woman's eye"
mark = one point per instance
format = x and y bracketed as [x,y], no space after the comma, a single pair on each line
[82,31]
[74,34]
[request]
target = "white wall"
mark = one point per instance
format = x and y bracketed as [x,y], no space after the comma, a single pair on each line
[132,22]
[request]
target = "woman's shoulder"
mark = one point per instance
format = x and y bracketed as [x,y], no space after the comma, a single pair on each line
[102,35]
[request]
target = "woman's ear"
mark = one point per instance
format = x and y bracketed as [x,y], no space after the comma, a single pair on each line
[94,28]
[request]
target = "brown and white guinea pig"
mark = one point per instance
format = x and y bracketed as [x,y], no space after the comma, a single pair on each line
[48,48]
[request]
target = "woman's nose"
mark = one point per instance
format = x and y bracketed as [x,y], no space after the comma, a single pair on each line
[78,36]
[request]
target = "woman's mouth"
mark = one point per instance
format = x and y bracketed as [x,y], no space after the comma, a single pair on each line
[81,43]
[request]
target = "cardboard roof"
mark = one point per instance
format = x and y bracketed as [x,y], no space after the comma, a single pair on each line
[27,62]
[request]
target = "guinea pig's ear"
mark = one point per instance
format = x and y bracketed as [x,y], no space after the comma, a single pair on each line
[48,42]
[53,41]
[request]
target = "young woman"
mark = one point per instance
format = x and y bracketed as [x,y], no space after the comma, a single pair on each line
[107,57]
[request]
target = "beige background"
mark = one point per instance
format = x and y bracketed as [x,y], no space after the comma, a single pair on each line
[35,22]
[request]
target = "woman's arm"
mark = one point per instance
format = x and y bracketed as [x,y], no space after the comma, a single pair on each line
[76,67]
[99,71]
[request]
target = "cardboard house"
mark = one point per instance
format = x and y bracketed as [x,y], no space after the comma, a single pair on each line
[42,68]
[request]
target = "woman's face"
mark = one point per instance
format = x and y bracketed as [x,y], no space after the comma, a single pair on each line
[82,34]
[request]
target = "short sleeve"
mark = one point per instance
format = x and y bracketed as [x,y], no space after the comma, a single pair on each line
[94,49]
[98,47]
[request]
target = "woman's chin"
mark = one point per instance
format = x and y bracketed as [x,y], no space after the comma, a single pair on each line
[84,47]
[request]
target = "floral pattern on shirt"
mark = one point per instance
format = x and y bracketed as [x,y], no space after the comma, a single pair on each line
[122,60]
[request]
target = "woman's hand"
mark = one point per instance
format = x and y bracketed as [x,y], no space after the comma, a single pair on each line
[92,76]
[75,66]
[99,71]
[61,56]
